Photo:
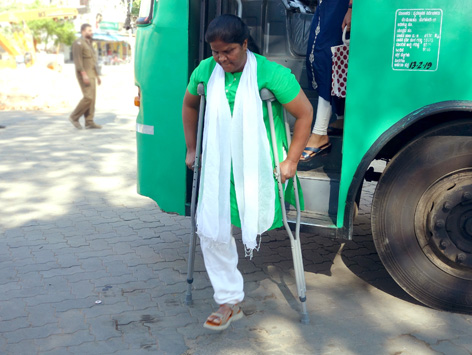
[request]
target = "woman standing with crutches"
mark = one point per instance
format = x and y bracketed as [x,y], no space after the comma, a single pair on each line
[237,184]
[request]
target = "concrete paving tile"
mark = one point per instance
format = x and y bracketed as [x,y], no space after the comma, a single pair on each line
[41,315]
[23,347]
[57,284]
[103,327]
[107,309]
[60,271]
[172,255]
[21,253]
[8,276]
[71,321]
[113,280]
[449,347]
[43,255]
[74,303]
[14,232]
[170,276]
[76,243]
[464,341]
[145,225]
[58,351]
[138,299]
[56,246]
[122,248]
[88,275]
[408,344]
[81,288]
[50,298]
[172,322]
[14,324]
[136,333]
[31,333]
[116,267]
[110,346]
[112,257]
[64,340]
[170,342]
[12,309]
[194,331]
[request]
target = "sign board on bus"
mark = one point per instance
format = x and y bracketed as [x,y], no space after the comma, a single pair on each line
[417,39]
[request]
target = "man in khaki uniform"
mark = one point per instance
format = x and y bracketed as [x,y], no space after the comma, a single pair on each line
[85,60]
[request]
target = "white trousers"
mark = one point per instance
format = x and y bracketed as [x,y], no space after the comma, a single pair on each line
[323,114]
[221,263]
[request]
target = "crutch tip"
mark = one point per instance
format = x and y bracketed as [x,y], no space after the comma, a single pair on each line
[188,300]
[304,319]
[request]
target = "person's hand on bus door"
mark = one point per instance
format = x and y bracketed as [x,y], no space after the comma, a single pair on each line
[347,18]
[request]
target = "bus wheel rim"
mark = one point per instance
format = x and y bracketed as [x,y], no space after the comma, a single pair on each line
[444,223]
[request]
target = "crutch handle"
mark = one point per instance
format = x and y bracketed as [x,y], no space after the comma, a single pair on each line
[200,89]
[267,95]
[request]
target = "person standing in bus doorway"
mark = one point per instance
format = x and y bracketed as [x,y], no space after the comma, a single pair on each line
[85,61]
[329,21]
[238,186]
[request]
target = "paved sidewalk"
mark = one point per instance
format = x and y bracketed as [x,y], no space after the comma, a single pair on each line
[74,232]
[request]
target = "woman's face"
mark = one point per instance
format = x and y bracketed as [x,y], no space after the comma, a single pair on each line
[231,56]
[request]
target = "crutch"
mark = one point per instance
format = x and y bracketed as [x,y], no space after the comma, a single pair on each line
[268,97]
[196,178]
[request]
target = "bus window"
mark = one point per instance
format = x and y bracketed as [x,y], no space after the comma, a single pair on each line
[145,12]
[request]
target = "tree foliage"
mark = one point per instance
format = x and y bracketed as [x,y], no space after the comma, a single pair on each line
[135,8]
[48,30]
[19,5]
[45,31]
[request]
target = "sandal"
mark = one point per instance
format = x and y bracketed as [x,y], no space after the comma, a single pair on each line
[314,152]
[222,321]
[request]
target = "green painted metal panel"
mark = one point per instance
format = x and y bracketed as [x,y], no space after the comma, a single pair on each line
[404,55]
[161,71]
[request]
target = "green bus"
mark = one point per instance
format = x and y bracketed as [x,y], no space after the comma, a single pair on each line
[408,106]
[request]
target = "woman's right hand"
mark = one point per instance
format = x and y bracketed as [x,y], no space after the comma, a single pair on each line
[190,159]
[347,20]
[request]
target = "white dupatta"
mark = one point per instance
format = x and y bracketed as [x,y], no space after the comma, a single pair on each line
[241,140]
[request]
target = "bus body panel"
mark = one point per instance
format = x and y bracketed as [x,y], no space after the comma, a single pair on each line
[161,72]
[379,96]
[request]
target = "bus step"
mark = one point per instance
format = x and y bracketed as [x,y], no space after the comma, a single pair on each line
[320,191]
[309,218]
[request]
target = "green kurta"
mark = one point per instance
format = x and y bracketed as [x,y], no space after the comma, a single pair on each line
[284,86]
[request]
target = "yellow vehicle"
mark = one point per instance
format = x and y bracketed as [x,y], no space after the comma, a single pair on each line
[16,41]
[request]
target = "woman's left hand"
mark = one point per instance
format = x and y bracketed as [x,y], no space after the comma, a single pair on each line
[287,170]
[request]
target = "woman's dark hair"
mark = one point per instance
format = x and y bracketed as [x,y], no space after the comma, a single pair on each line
[227,28]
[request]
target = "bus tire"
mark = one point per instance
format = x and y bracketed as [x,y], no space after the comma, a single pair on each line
[422,217]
